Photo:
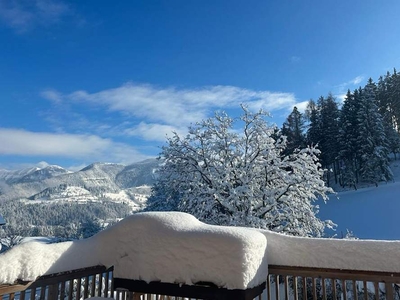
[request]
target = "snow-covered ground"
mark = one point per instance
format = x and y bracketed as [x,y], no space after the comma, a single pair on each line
[370,213]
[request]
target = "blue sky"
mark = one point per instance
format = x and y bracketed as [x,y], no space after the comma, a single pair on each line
[86,81]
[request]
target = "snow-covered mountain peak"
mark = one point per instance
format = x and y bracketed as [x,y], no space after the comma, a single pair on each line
[101,180]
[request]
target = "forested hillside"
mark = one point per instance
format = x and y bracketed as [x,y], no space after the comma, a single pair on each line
[54,202]
[358,137]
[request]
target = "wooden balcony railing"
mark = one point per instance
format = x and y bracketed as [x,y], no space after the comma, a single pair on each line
[284,283]
[313,283]
[72,285]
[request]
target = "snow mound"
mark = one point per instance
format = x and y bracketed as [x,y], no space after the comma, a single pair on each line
[169,247]
[362,255]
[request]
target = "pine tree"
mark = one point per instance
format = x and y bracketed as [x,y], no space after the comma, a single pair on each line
[314,131]
[374,162]
[329,132]
[349,154]
[293,129]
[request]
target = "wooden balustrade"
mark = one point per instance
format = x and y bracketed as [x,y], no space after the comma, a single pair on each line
[300,283]
[72,285]
[284,283]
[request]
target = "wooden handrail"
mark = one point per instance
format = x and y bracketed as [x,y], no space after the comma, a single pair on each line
[52,283]
[346,274]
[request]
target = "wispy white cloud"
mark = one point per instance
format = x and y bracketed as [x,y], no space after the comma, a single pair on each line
[295,59]
[23,15]
[341,89]
[357,80]
[350,84]
[51,95]
[27,143]
[180,107]
[154,132]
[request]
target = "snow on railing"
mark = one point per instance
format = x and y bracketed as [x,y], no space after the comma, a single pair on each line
[177,248]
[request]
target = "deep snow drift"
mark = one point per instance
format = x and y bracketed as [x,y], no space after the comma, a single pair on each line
[169,247]
[177,248]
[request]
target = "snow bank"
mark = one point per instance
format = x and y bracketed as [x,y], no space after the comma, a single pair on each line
[365,255]
[177,248]
[169,247]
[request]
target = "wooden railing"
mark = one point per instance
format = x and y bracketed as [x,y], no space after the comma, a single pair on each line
[289,283]
[331,284]
[72,285]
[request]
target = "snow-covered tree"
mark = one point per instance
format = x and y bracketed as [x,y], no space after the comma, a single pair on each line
[226,176]
[374,165]
[293,129]
[349,153]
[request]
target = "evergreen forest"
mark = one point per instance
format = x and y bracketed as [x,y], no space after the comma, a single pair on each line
[357,138]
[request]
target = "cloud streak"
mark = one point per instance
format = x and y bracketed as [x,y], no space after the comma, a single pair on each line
[23,16]
[27,143]
[177,107]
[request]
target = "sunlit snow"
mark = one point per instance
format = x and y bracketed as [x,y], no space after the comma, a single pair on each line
[168,247]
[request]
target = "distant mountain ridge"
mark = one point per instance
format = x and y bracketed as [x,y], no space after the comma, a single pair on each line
[115,182]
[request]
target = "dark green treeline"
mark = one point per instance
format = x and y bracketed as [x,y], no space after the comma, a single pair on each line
[357,139]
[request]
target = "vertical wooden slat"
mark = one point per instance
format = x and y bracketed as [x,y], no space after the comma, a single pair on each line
[62,290]
[355,295]
[86,287]
[106,280]
[365,290]
[100,286]
[52,292]
[136,296]
[42,293]
[314,287]
[304,288]
[93,285]
[269,287]
[78,288]
[376,285]
[323,282]
[296,291]
[286,287]
[12,296]
[334,290]
[344,288]
[22,295]
[389,290]
[71,289]
[33,294]
[277,287]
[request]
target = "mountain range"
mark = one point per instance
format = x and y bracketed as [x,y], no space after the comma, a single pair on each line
[115,182]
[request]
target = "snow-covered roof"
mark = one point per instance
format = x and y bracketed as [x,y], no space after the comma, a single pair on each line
[169,247]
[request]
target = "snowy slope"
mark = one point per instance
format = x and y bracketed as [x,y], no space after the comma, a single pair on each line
[370,213]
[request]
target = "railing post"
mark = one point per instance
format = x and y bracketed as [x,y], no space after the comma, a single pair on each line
[53,292]
[389,290]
